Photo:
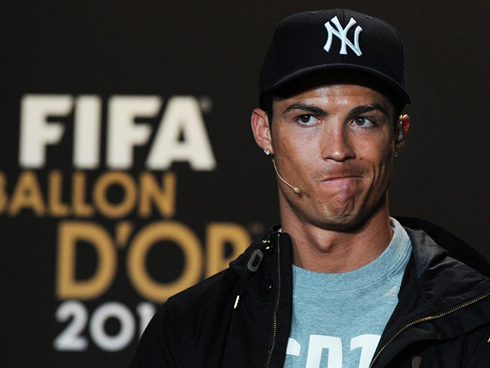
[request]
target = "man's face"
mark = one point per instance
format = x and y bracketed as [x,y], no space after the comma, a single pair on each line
[336,143]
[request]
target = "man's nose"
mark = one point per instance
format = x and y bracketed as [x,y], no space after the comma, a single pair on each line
[337,145]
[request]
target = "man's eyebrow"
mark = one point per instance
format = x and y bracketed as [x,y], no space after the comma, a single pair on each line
[304,107]
[368,108]
[358,110]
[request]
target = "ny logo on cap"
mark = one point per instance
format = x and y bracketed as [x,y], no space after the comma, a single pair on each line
[341,33]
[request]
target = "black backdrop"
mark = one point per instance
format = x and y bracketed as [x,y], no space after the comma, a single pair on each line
[95,235]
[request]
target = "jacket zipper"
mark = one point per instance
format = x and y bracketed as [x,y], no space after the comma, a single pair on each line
[425,319]
[276,306]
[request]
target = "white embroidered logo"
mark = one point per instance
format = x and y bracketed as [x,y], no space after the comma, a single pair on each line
[341,33]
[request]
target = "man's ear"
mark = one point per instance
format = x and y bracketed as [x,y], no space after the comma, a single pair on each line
[261,129]
[401,132]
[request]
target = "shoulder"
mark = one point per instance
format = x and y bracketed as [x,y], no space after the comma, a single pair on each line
[173,333]
[433,244]
[446,270]
[200,297]
[187,323]
[211,298]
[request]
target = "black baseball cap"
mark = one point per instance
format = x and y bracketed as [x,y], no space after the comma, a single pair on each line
[335,39]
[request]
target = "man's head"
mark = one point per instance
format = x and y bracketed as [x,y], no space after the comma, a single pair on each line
[336,39]
[333,82]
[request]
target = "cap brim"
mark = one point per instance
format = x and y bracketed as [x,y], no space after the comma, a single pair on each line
[393,85]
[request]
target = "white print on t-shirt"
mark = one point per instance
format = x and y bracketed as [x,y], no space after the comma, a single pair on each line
[317,343]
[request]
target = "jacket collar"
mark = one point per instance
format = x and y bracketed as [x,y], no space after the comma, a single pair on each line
[451,244]
[439,245]
[264,243]
[443,271]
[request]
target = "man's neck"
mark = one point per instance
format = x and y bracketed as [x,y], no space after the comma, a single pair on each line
[332,251]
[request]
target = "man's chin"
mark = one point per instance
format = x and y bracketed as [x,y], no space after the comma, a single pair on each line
[349,217]
[345,221]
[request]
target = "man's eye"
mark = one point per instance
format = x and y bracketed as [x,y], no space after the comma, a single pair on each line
[363,122]
[307,119]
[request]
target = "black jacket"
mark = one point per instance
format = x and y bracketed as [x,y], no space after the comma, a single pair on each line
[241,317]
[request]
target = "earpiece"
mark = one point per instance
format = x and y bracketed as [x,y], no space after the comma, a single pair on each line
[400,135]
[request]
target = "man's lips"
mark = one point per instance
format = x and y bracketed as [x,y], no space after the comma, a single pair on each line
[340,178]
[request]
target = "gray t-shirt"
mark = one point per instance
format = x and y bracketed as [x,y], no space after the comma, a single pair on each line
[338,318]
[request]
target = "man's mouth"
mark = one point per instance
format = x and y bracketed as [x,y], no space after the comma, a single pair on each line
[343,178]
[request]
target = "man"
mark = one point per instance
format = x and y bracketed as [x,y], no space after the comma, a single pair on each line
[339,283]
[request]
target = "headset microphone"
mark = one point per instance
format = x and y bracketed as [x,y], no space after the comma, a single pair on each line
[295,189]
